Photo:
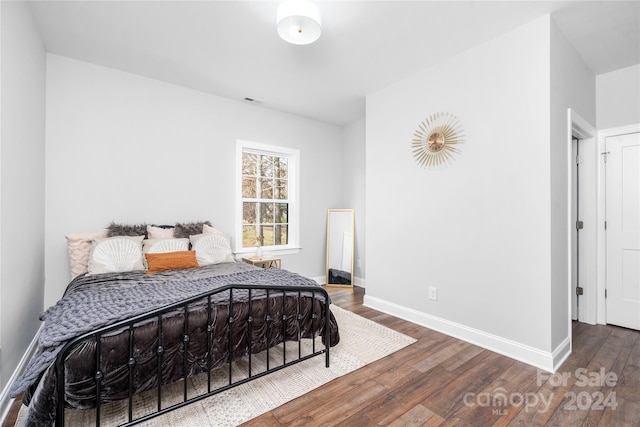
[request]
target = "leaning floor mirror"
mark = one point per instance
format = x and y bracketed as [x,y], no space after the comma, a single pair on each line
[340,247]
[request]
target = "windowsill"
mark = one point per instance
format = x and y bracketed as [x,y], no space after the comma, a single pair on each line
[267,253]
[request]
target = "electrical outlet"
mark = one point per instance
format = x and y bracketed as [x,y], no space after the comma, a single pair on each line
[433,293]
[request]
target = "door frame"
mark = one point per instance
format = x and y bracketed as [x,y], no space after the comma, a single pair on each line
[601,302]
[589,215]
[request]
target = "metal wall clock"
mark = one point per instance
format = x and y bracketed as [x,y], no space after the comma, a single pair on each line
[436,139]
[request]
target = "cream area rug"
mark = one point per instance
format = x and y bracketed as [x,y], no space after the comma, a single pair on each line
[361,342]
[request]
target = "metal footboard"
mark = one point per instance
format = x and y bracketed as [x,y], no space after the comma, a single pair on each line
[209,301]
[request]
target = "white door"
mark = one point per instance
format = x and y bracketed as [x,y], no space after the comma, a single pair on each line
[623,230]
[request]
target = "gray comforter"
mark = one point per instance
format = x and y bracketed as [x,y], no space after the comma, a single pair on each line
[91,302]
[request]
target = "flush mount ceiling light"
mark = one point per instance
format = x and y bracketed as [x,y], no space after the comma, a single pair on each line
[299,21]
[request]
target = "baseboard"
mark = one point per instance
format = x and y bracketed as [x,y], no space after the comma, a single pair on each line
[547,361]
[5,400]
[561,353]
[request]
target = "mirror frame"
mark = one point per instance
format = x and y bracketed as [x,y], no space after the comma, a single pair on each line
[351,271]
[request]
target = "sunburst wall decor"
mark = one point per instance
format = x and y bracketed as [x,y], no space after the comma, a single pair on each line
[435,140]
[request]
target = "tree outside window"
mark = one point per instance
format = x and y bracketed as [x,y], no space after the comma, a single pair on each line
[265,198]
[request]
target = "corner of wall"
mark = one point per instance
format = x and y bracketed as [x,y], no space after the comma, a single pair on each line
[21,201]
[572,86]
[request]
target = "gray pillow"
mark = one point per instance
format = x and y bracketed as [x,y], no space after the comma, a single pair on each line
[184,230]
[115,229]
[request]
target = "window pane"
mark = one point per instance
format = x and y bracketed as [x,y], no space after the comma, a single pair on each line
[266,213]
[266,166]
[280,189]
[249,163]
[248,235]
[280,167]
[249,187]
[281,213]
[266,188]
[249,211]
[267,235]
[281,233]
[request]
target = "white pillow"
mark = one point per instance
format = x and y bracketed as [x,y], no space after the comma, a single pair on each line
[79,246]
[156,246]
[207,229]
[212,248]
[116,254]
[159,232]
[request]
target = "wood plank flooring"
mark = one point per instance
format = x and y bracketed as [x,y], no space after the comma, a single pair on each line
[442,381]
[425,384]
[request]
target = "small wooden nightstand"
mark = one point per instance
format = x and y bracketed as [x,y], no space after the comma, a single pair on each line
[264,262]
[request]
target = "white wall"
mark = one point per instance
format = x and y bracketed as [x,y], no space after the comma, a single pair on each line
[353,190]
[573,86]
[21,183]
[480,229]
[131,149]
[618,97]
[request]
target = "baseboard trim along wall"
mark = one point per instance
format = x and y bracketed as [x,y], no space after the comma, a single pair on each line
[561,353]
[5,400]
[547,361]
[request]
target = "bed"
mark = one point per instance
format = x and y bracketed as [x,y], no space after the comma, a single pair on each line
[115,336]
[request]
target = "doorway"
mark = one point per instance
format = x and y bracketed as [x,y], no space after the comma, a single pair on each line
[576,266]
[583,221]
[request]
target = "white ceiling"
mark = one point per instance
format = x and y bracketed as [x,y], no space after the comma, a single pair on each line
[231,48]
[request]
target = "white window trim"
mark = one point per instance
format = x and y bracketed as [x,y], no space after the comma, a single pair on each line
[293,245]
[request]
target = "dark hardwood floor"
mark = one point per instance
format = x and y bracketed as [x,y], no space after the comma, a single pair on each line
[442,381]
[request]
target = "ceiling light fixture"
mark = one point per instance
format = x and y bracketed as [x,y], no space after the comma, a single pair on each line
[299,21]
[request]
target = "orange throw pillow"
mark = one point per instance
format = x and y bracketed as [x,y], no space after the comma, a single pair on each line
[171,261]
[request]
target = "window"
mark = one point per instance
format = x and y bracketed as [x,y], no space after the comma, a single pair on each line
[267,197]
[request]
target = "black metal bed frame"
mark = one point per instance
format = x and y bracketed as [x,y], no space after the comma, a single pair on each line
[318,293]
